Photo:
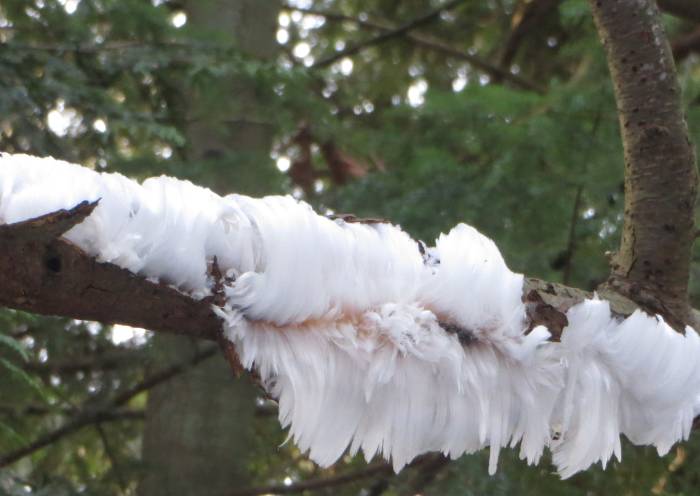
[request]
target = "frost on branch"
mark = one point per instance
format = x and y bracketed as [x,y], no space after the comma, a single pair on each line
[374,343]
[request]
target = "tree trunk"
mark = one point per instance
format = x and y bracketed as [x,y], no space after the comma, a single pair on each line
[653,262]
[199,426]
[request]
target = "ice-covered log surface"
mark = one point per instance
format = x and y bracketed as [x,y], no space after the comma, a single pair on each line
[374,343]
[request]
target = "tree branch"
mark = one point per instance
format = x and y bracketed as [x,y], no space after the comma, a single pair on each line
[491,70]
[316,484]
[45,274]
[111,46]
[427,474]
[31,246]
[54,277]
[107,447]
[334,481]
[110,360]
[40,410]
[388,35]
[526,18]
[571,244]
[653,262]
[91,415]
[433,44]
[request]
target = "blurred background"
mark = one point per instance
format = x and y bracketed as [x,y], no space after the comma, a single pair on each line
[498,113]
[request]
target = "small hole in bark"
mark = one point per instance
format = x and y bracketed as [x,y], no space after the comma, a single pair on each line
[53,263]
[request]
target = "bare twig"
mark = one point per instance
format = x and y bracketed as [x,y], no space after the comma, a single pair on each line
[427,474]
[91,415]
[571,244]
[110,46]
[494,71]
[316,484]
[528,16]
[388,35]
[433,44]
[333,481]
[40,410]
[70,365]
[112,456]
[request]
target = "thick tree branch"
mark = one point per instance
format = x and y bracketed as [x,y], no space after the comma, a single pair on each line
[652,265]
[45,274]
[27,245]
[48,275]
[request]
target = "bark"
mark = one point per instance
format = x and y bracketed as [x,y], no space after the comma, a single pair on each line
[45,274]
[652,264]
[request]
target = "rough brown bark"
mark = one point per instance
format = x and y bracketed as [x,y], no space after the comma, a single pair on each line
[652,264]
[43,273]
